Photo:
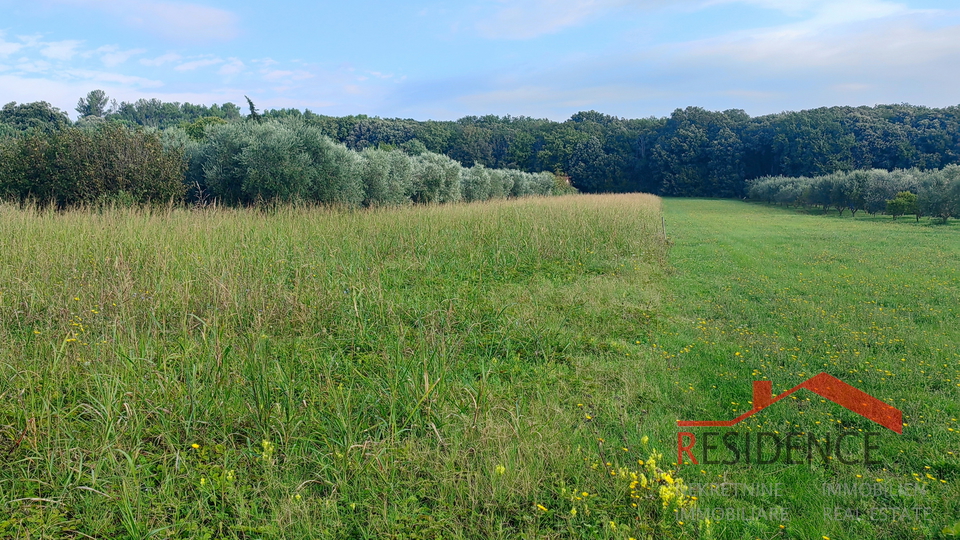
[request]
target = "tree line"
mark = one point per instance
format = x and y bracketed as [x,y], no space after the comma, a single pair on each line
[934,193]
[48,159]
[693,152]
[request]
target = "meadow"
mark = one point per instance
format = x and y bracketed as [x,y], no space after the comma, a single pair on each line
[422,372]
[765,293]
[510,369]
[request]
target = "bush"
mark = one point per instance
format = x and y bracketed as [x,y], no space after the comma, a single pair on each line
[387,177]
[337,180]
[545,183]
[436,178]
[98,163]
[904,203]
[241,163]
[476,183]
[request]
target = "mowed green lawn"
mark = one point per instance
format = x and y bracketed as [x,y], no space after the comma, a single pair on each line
[762,293]
[511,369]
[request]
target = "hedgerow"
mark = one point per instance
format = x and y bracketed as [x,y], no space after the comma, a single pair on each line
[936,193]
[239,164]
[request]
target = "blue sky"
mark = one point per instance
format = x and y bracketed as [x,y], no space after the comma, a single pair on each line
[428,59]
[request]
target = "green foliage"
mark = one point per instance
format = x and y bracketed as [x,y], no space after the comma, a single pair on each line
[476,183]
[38,115]
[337,181]
[86,165]
[413,147]
[698,154]
[693,152]
[938,193]
[197,129]
[436,178]
[95,104]
[246,163]
[904,203]
[157,114]
[388,177]
[561,183]
[254,114]
[7,130]
[930,193]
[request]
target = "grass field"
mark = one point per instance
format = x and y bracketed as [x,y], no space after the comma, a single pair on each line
[428,372]
[762,293]
[501,370]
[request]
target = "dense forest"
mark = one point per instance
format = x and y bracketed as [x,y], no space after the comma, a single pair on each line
[694,152]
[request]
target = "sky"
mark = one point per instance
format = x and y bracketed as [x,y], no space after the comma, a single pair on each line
[428,59]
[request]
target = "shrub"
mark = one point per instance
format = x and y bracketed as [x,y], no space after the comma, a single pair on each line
[387,177]
[97,163]
[476,183]
[337,180]
[904,203]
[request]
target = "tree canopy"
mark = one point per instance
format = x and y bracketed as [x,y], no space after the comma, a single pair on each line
[693,152]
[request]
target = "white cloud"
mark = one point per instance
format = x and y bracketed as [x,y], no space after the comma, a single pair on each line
[831,13]
[879,45]
[839,9]
[181,21]
[7,48]
[279,74]
[844,52]
[818,15]
[60,50]
[852,87]
[525,19]
[232,67]
[112,56]
[118,78]
[161,60]
[177,21]
[544,100]
[22,89]
[38,66]
[190,66]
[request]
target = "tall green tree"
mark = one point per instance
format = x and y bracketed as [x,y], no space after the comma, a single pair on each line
[94,104]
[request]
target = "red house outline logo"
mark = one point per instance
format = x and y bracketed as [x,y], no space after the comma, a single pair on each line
[825,386]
